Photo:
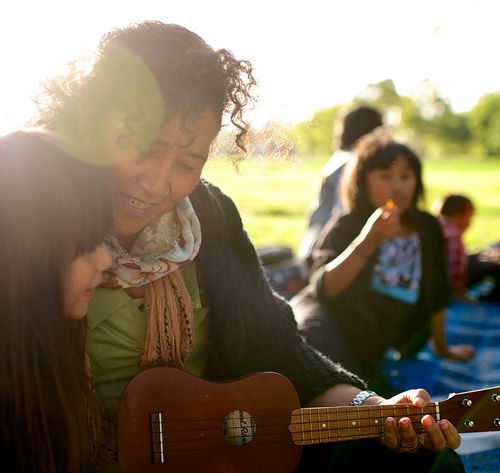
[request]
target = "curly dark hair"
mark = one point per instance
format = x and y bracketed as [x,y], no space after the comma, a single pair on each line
[152,71]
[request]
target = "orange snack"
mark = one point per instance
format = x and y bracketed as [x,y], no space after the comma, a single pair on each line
[389,204]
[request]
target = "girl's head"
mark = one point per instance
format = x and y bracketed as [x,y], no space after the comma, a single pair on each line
[383,169]
[151,107]
[54,214]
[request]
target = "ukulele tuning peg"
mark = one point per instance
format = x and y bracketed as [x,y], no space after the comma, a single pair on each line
[466,402]
[497,422]
[495,397]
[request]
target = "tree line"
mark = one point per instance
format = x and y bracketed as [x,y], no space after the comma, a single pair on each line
[426,120]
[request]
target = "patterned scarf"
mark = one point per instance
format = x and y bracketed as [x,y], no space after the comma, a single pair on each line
[159,251]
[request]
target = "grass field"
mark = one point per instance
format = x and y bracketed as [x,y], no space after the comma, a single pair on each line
[273,195]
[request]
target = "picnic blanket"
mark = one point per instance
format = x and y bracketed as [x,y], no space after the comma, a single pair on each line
[478,325]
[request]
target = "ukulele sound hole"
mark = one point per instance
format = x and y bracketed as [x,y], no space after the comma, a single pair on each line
[238,428]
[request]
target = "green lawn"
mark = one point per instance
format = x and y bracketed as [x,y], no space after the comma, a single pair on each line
[273,195]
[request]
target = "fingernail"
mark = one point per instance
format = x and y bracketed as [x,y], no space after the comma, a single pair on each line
[427,421]
[445,425]
[419,401]
[405,422]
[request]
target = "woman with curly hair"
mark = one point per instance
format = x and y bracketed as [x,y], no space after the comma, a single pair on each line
[186,288]
[54,215]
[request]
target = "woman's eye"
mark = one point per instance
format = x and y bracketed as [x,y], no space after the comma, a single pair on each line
[186,166]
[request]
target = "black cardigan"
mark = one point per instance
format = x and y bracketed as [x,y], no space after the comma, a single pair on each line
[251,328]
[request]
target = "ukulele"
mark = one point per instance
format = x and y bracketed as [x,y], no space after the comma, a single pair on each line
[171,421]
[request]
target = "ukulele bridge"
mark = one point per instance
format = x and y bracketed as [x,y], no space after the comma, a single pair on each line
[158,432]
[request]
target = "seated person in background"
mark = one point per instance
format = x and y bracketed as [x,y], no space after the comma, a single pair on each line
[349,126]
[455,215]
[379,276]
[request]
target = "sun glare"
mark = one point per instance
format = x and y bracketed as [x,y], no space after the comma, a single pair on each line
[307,55]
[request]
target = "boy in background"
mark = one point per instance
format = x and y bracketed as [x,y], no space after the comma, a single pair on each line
[455,215]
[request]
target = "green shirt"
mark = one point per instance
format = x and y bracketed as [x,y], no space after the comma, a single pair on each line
[116,330]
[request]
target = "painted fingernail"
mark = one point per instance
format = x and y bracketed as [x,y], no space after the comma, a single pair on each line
[427,421]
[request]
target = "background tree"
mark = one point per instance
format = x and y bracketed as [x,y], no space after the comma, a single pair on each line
[485,123]
[425,120]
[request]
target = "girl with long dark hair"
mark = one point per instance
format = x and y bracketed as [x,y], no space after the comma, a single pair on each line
[54,214]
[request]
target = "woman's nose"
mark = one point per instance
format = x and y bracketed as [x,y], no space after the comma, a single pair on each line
[155,180]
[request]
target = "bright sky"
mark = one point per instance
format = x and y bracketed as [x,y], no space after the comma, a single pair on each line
[308,54]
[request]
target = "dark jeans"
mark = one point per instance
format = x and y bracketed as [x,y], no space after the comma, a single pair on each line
[370,455]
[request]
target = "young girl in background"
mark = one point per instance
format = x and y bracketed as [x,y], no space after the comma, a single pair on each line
[380,273]
[54,215]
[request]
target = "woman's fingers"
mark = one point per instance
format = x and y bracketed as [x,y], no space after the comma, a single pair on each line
[401,436]
[440,434]
[391,436]
[408,437]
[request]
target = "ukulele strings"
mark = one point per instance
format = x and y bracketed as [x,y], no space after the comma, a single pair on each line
[281,420]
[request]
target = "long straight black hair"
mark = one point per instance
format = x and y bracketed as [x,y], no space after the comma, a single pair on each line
[52,209]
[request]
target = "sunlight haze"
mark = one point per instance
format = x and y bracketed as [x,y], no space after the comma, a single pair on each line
[307,55]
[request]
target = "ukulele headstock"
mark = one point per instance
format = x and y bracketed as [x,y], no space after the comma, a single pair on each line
[473,411]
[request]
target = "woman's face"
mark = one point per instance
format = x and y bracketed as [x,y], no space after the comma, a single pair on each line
[85,274]
[398,182]
[144,186]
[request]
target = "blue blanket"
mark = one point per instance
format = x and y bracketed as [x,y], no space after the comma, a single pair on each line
[477,325]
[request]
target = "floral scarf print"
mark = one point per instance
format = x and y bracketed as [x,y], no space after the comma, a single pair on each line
[161,248]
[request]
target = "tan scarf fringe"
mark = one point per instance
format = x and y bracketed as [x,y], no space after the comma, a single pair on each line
[169,333]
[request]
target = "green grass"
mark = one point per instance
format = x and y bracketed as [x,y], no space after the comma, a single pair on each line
[274,195]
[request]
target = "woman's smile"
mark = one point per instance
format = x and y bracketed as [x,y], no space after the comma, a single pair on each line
[135,204]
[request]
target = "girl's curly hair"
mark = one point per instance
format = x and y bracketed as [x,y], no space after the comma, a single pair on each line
[152,71]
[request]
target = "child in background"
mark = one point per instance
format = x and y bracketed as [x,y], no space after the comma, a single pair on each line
[54,216]
[455,215]
[379,276]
